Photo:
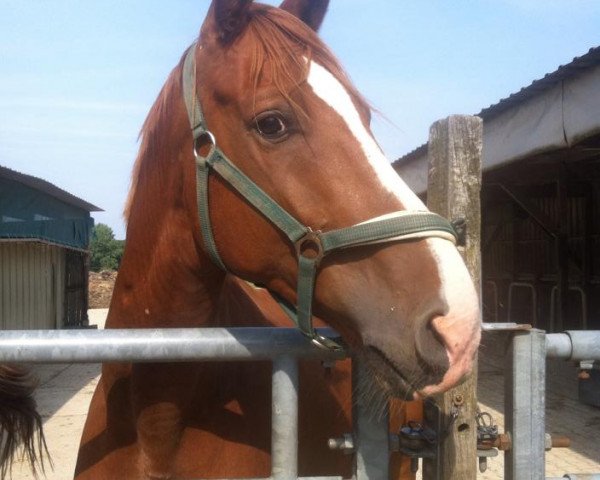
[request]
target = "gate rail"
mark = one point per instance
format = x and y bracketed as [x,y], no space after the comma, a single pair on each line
[525,391]
[159,345]
[284,346]
[524,407]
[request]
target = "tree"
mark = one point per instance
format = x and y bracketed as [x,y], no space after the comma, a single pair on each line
[105,249]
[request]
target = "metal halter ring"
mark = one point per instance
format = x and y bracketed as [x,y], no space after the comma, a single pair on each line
[205,134]
[310,246]
[321,342]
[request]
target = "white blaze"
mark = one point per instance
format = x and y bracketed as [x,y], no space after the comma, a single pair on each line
[332,92]
[453,273]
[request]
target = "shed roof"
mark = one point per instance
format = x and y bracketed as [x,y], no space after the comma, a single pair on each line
[589,60]
[48,188]
[578,65]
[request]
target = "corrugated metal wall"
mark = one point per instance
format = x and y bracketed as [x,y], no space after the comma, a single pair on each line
[31,285]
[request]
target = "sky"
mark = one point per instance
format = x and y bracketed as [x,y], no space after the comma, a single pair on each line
[77,78]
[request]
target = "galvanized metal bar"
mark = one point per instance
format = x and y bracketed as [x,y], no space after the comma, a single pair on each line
[524,403]
[558,345]
[504,327]
[577,476]
[371,432]
[574,345]
[271,478]
[158,345]
[282,345]
[284,419]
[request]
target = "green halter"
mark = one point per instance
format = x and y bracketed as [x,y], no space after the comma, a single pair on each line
[311,246]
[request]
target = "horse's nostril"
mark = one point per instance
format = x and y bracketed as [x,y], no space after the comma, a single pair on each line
[431,347]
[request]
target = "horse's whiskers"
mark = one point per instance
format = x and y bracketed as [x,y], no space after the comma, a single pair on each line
[374,393]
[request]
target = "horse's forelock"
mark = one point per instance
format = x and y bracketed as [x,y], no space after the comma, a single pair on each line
[283,42]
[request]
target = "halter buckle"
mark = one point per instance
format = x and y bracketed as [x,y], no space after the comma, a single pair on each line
[460,227]
[327,344]
[203,137]
[310,246]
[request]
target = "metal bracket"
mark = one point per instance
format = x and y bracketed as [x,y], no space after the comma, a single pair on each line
[460,227]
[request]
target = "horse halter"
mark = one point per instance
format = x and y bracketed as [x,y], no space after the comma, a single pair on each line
[311,246]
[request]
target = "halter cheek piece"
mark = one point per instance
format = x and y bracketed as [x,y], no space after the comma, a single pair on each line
[311,246]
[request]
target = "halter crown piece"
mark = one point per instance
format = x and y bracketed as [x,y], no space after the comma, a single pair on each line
[311,246]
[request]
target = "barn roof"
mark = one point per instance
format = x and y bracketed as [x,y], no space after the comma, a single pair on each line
[48,188]
[555,111]
[589,60]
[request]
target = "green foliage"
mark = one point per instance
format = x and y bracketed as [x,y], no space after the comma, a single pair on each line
[106,250]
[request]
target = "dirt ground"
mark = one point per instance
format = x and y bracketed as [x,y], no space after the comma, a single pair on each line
[63,398]
[101,286]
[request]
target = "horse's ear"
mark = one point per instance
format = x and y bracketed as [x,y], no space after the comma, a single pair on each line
[310,12]
[231,17]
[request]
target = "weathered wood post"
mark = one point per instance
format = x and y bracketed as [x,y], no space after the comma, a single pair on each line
[454,184]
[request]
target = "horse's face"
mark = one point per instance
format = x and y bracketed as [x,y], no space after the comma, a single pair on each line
[281,109]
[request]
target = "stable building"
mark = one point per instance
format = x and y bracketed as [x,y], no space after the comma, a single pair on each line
[44,254]
[540,200]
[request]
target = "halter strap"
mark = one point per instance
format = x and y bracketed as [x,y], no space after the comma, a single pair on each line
[311,246]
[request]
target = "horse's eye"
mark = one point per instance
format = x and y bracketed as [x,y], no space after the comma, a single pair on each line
[271,125]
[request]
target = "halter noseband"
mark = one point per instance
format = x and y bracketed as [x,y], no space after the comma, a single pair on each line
[311,246]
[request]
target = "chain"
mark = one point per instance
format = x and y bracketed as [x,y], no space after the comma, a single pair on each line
[487,432]
[430,435]
[454,413]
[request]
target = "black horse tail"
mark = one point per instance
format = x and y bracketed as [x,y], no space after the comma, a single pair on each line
[20,423]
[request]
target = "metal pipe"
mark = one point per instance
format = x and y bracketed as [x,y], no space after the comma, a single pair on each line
[524,403]
[577,476]
[558,345]
[158,345]
[505,327]
[529,286]
[370,430]
[582,296]
[299,478]
[574,345]
[284,419]
[586,344]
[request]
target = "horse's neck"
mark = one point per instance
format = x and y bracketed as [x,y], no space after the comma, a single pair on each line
[165,279]
[241,304]
[155,288]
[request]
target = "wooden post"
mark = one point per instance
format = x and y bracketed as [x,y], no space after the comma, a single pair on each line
[454,192]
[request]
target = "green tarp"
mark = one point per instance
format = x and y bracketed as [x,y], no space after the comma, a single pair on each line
[31,214]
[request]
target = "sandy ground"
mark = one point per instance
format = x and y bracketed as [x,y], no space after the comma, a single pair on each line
[63,397]
[565,415]
[65,392]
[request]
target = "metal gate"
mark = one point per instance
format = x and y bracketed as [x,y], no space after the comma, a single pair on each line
[370,442]
[283,346]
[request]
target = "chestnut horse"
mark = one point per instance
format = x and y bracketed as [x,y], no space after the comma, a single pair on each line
[280,107]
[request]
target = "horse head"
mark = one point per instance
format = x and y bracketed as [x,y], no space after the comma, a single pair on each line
[278,105]
[281,108]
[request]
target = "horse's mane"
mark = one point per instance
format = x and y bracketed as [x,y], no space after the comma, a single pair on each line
[281,42]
